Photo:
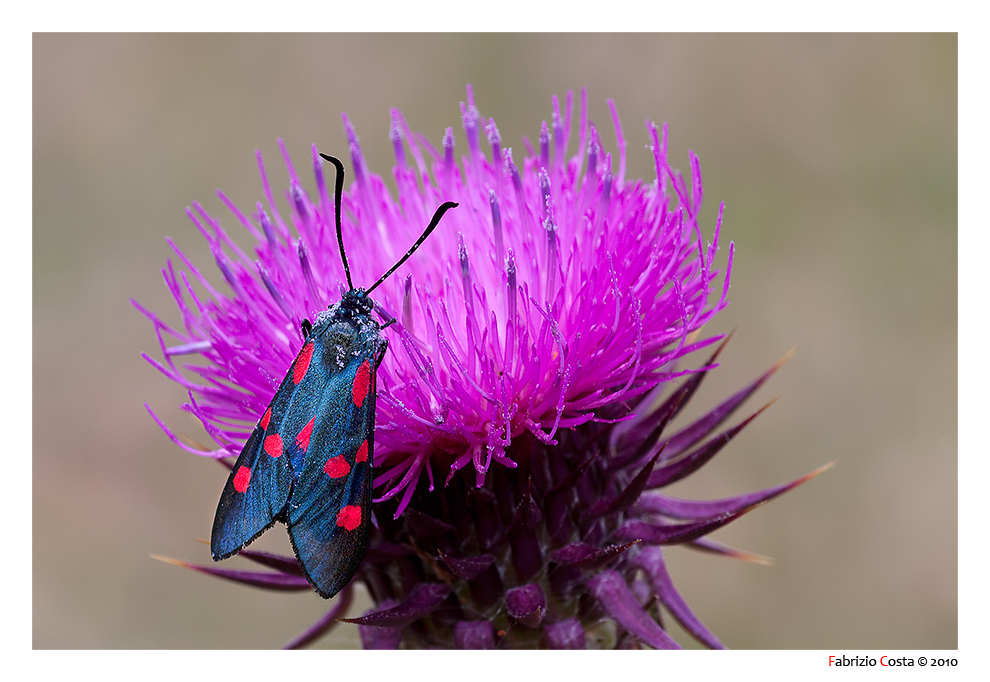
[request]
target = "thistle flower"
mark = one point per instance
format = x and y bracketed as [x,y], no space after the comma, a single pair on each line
[523,411]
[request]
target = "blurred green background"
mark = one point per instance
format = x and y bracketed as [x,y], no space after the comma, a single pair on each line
[835,156]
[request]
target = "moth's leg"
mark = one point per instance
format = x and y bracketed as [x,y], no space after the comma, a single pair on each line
[381,353]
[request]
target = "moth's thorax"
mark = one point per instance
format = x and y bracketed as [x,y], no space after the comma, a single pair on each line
[347,332]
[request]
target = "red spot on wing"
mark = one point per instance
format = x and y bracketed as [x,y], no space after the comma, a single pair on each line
[267,418]
[349,517]
[241,479]
[337,467]
[362,453]
[307,431]
[302,363]
[273,445]
[362,383]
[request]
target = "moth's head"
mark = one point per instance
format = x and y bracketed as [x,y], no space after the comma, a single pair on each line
[357,302]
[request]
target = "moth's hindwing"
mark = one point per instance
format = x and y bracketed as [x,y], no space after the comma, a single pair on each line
[329,509]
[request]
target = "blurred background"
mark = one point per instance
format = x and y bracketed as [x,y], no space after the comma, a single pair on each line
[835,156]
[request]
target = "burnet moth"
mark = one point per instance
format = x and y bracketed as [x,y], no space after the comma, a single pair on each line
[308,461]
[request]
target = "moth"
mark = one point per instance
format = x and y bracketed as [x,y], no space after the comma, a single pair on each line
[308,462]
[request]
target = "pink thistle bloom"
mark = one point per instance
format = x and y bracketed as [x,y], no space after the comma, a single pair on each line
[537,332]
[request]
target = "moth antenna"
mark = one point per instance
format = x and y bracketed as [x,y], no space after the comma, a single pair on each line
[338,192]
[444,207]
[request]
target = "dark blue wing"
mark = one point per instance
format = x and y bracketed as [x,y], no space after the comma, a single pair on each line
[258,487]
[329,510]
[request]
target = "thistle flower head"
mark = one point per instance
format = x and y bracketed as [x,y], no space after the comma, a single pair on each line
[534,368]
